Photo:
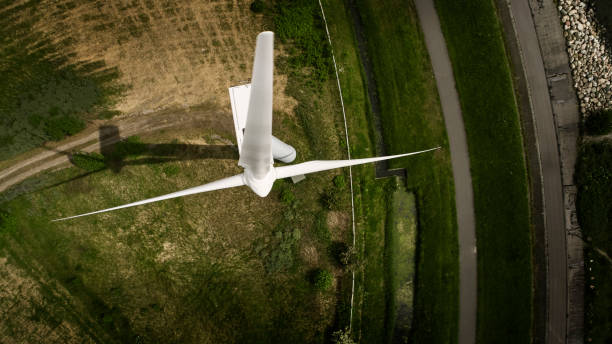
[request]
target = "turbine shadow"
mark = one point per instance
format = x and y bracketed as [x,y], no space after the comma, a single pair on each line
[118,152]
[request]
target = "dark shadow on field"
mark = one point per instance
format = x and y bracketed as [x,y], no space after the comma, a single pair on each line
[46,93]
[117,152]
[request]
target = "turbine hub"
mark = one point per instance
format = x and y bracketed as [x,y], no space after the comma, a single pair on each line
[261,186]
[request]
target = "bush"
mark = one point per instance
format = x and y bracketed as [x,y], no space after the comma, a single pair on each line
[599,122]
[88,161]
[340,182]
[343,337]
[299,21]
[171,170]
[330,198]
[8,223]
[257,6]
[323,279]
[108,114]
[282,254]
[287,197]
[57,127]
[338,249]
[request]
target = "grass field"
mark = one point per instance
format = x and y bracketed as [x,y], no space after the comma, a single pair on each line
[483,80]
[412,120]
[73,57]
[594,206]
[187,270]
[401,259]
[43,95]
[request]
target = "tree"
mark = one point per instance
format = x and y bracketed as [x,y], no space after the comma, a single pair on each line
[323,279]
[343,337]
[257,6]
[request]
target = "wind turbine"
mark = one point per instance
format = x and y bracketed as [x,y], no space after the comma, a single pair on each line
[259,147]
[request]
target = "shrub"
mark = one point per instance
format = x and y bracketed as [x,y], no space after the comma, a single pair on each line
[337,249]
[287,197]
[108,114]
[299,22]
[599,122]
[61,125]
[8,223]
[282,255]
[88,161]
[331,198]
[343,337]
[323,279]
[340,182]
[350,259]
[171,170]
[257,6]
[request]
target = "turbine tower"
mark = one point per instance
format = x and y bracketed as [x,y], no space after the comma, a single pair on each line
[258,146]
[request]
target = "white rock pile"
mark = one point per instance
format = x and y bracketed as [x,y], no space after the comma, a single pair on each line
[589,55]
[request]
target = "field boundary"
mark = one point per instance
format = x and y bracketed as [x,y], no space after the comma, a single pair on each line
[348,150]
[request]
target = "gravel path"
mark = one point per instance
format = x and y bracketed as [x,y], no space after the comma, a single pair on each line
[57,156]
[460,160]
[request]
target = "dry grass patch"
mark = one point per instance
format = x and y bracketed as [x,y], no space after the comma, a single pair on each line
[171,53]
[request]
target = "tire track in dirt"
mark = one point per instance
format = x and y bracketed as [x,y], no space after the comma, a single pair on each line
[57,156]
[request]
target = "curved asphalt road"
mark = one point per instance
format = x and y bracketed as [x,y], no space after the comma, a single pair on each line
[460,160]
[547,141]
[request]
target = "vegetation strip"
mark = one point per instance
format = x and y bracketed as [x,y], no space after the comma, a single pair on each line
[484,84]
[348,152]
[413,120]
[594,206]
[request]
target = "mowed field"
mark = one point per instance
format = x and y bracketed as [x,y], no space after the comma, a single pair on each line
[225,266]
[170,53]
[82,60]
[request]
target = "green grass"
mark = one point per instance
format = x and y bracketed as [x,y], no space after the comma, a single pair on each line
[171,271]
[412,120]
[400,258]
[43,96]
[483,80]
[594,206]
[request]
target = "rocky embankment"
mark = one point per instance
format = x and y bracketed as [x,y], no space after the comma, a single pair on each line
[590,55]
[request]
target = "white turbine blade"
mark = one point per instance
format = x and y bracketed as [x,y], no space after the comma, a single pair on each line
[216,185]
[256,150]
[322,165]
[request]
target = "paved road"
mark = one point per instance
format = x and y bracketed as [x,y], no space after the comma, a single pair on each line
[464,198]
[546,137]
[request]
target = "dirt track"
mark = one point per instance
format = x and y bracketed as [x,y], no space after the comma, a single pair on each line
[89,141]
